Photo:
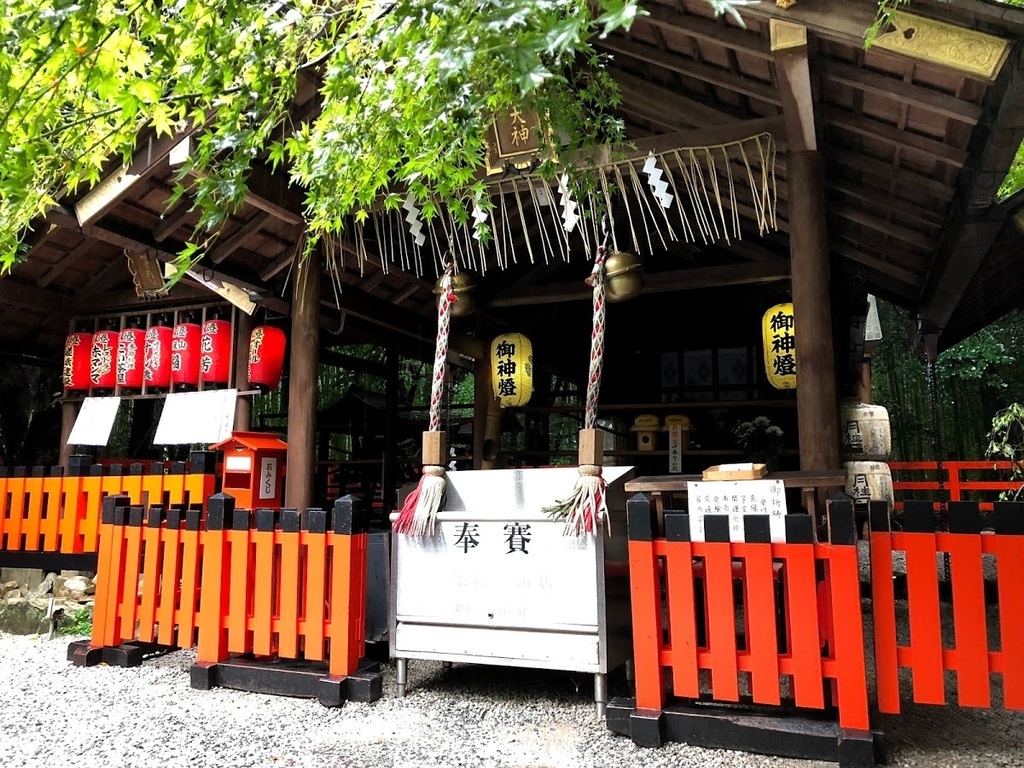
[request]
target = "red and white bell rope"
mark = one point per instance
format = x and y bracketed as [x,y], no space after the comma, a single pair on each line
[418,516]
[587,506]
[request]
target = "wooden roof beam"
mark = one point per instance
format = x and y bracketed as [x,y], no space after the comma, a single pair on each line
[68,260]
[698,278]
[657,104]
[171,220]
[134,238]
[868,81]
[884,170]
[679,64]
[792,68]
[248,232]
[14,293]
[109,192]
[890,134]
[706,30]
[975,221]
[895,231]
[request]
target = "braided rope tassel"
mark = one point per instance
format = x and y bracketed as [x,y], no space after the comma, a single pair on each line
[587,505]
[418,516]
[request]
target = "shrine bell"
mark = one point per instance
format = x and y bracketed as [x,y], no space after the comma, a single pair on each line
[253,469]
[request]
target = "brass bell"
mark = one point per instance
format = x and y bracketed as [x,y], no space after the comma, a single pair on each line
[623,276]
[464,288]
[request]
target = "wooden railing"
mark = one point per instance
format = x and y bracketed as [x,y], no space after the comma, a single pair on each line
[59,512]
[958,478]
[801,613]
[971,537]
[269,582]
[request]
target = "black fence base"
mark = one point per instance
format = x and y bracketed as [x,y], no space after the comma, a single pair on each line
[82,654]
[287,677]
[746,730]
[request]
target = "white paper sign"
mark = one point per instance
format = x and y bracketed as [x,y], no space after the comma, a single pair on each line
[197,417]
[95,421]
[737,498]
[268,478]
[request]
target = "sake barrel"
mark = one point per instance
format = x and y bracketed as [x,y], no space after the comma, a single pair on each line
[865,431]
[869,481]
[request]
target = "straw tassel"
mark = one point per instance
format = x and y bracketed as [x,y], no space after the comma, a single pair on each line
[419,513]
[586,506]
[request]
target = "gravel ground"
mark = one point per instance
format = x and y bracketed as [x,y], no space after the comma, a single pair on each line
[58,715]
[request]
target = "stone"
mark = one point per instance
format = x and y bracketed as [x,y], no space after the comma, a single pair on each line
[28,578]
[46,586]
[24,617]
[77,588]
[8,588]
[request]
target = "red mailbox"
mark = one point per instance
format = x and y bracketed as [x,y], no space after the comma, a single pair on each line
[253,469]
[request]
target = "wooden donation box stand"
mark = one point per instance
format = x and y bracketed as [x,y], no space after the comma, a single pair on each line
[253,469]
[499,582]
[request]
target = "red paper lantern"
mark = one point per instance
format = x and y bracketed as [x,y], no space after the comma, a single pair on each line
[215,356]
[185,355]
[158,357]
[102,368]
[77,352]
[131,344]
[266,357]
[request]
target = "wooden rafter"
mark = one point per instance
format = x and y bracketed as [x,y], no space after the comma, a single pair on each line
[875,129]
[105,195]
[903,92]
[66,261]
[698,278]
[248,232]
[706,30]
[679,64]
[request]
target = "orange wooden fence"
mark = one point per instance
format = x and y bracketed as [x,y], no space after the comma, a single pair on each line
[61,512]
[800,607]
[147,576]
[977,650]
[958,479]
[292,586]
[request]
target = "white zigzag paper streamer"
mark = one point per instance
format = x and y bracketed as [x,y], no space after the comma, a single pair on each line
[413,218]
[479,217]
[569,216]
[658,186]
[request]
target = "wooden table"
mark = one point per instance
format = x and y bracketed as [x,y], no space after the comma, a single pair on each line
[660,486]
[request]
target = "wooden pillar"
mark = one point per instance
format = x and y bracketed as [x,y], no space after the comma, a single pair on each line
[243,404]
[68,413]
[389,472]
[486,416]
[302,383]
[817,406]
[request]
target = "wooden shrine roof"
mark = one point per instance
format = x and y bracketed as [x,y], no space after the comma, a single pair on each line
[915,150]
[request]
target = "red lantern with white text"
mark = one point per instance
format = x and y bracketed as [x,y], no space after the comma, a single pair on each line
[185,355]
[77,352]
[158,357]
[102,368]
[130,349]
[266,357]
[215,355]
